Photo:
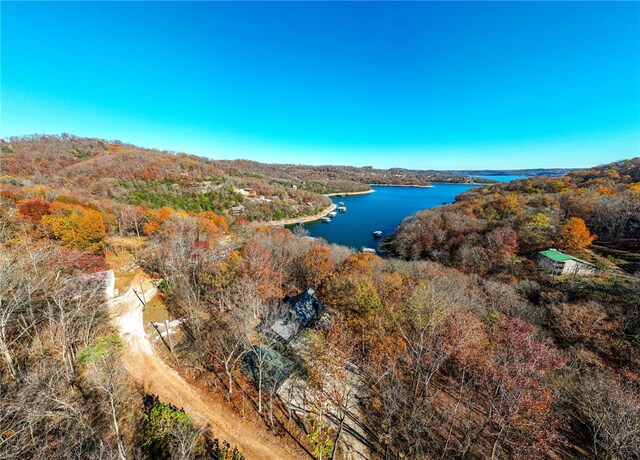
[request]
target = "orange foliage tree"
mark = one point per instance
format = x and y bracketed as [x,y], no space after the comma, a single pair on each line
[575,234]
[155,218]
[316,266]
[261,272]
[77,227]
[361,262]
[211,224]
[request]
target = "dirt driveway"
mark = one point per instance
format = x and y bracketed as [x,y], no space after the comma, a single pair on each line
[156,377]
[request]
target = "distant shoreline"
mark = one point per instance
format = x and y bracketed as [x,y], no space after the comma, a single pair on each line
[466,183]
[400,185]
[364,192]
[302,219]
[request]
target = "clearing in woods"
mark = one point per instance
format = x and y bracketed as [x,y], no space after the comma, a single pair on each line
[156,377]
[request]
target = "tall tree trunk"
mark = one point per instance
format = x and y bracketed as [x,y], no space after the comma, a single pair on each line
[260,390]
[13,369]
[116,426]
[335,441]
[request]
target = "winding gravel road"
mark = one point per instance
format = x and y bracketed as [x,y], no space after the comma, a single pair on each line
[156,377]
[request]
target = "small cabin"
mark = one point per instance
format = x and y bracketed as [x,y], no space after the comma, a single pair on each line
[558,263]
[299,312]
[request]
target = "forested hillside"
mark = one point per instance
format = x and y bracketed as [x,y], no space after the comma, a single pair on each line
[94,169]
[346,178]
[548,172]
[496,231]
[100,169]
[487,227]
[457,348]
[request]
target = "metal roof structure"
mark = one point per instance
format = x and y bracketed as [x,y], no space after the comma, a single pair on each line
[559,256]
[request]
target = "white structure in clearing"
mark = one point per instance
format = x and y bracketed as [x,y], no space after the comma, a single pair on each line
[109,279]
[559,263]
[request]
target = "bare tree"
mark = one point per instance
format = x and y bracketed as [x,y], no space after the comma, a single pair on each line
[612,412]
[229,343]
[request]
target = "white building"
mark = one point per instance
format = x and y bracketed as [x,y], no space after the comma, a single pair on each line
[559,263]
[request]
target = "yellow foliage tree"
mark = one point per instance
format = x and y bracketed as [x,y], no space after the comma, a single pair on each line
[77,227]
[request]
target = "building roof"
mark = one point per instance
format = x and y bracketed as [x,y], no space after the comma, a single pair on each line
[556,255]
[559,256]
[269,365]
[306,307]
[286,327]
[301,311]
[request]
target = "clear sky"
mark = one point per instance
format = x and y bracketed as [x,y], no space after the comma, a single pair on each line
[442,85]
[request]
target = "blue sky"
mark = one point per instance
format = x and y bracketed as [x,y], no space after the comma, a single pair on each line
[441,85]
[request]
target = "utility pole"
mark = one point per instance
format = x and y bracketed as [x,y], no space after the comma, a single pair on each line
[144,304]
[166,326]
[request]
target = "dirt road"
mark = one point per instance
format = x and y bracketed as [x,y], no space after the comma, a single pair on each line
[156,377]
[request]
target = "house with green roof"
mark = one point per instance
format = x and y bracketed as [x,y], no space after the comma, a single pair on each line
[558,263]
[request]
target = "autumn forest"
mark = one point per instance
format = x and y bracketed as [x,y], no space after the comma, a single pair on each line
[225,335]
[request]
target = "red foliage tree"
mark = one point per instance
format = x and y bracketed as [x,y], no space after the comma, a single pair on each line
[519,393]
[34,209]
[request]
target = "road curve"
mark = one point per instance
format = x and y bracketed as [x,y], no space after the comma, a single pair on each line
[156,377]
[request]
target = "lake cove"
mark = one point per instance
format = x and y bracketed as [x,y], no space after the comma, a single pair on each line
[382,210]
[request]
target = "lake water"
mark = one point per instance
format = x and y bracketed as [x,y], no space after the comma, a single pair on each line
[382,210]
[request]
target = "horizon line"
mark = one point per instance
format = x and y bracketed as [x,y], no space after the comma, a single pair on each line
[225,152]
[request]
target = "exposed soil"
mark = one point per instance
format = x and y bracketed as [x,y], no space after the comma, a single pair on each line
[156,377]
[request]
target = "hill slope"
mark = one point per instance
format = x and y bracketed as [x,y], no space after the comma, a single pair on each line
[100,169]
